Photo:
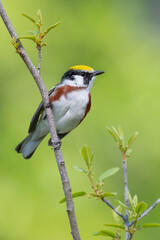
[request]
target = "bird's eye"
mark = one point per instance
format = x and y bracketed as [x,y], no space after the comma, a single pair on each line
[82,74]
[72,77]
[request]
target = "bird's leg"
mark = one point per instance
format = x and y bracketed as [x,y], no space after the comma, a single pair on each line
[56,145]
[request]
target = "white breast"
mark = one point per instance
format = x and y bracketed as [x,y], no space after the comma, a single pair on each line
[70,109]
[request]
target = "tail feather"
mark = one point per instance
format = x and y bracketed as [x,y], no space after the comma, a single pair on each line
[28,146]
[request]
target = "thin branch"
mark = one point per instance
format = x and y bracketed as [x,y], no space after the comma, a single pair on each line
[128,235]
[124,159]
[39,58]
[56,143]
[113,208]
[149,209]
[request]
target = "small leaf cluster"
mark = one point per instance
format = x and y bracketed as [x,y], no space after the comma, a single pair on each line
[136,209]
[118,136]
[38,35]
[96,186]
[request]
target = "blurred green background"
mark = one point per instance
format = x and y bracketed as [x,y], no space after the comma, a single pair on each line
[123,39]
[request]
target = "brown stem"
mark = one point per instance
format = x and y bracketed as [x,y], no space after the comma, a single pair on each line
[103,198]
[39,58]
[60,162]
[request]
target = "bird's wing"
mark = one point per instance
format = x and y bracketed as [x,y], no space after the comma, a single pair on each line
[38,114]
[35,118]
[51,90]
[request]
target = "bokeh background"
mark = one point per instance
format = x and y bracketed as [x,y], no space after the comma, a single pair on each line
[123,39]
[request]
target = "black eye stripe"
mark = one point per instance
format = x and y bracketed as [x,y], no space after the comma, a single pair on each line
[71,73]
[72,77]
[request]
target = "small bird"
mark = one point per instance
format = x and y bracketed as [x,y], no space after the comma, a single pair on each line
[70,101]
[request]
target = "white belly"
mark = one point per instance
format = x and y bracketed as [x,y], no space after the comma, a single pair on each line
[70,109]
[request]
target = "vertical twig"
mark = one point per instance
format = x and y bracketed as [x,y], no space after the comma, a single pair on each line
[128,235]
[56,145]
[124,160]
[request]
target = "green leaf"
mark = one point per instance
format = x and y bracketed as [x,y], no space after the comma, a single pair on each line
[109,194]
[28,17]
[116,132]
[52,27]
[141,207]
[80,170]
[120,131]
[121,226]
[151,225]
[108,173]
[128,152]
[44,44]
[123,205]
[28,37]
[39,14]
[87,155]
[130,199]
[112,133]
[132,138]
[121,136]
[74,195]
[135,200]
[106,233]
[115,216]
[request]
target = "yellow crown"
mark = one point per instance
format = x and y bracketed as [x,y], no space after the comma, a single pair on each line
[81,67]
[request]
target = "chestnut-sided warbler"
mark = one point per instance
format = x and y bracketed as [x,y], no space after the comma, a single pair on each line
[70,101]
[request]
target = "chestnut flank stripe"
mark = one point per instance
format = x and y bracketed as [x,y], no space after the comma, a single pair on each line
[63,90]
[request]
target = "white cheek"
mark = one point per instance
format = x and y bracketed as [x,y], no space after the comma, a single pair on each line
[79,80]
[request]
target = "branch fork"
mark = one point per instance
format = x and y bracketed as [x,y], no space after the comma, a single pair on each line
[130,226]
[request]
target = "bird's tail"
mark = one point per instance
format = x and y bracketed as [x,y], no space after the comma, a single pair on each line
[28,146]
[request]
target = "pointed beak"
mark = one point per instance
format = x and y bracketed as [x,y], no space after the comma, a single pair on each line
[96,73]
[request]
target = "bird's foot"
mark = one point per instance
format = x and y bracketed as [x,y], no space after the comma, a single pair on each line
[56,145]
[48,105]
